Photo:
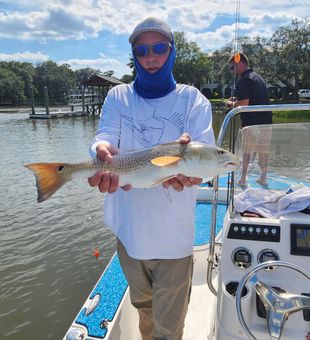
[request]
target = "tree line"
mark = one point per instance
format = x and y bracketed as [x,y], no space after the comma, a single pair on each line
[283,60]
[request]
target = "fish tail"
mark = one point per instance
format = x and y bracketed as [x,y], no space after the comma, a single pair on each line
[49,178]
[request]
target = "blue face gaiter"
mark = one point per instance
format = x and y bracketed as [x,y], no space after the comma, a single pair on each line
[158,84]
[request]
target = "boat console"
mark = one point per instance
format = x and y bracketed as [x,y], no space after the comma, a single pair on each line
[248,242]
[263,287]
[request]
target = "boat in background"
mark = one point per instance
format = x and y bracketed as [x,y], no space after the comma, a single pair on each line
[251,273]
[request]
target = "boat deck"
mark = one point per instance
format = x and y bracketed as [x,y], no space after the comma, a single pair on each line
[200,296]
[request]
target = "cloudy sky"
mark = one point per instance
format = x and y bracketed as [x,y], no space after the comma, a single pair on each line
[94,33]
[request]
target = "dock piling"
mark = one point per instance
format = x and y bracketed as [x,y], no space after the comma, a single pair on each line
[32,100]
[46,100]
[83,99]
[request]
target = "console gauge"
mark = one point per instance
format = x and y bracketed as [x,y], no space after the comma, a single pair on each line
[241,258]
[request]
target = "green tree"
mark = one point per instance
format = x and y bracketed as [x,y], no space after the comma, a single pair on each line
[288,57]
[11,88]
[127,78]
[220,72]
[192,66]
[25,72]
[83,74]
[58,79]
[109,73]
[132,66]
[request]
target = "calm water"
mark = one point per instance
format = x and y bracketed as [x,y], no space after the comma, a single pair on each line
[47,268]
[46,264]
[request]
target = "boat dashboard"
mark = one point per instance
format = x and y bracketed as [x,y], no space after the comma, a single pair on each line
[258,240]
[247,242]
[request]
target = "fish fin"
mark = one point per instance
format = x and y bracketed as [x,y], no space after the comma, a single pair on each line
[161,180]
[165,160]
[49,178]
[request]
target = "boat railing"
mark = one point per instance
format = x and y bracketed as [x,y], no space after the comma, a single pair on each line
[226,122]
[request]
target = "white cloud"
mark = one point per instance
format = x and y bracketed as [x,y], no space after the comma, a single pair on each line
[55,21]
[262,25]
[83,19]
[24,56]
[103,64]
[68,19]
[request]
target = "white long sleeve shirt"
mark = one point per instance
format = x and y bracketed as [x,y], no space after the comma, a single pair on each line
[154,223]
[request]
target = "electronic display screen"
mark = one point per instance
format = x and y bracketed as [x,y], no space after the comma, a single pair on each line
[303,238]
[300,239]
[243,258]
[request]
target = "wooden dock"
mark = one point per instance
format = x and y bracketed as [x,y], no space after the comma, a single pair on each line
[84,107]
[57,114]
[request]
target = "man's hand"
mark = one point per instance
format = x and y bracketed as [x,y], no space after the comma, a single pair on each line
[230,102]
[180,181]
[105,180]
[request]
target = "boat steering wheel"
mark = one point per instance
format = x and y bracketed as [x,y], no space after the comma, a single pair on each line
[278,305]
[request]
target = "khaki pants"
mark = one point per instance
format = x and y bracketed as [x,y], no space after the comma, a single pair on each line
[160,290]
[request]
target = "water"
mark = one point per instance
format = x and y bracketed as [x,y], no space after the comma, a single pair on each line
[47,267]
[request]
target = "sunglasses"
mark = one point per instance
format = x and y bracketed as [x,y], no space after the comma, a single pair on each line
[158,49]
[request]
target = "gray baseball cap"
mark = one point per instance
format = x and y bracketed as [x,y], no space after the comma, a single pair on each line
[151,25]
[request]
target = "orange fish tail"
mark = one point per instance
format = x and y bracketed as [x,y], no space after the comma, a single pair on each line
[49,178]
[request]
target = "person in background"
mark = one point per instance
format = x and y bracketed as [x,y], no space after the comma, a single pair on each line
[251,90]
[154,227]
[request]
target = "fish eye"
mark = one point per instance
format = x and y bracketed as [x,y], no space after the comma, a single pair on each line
[221,152]
[60,168]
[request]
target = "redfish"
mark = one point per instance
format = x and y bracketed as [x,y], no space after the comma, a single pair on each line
[141,169]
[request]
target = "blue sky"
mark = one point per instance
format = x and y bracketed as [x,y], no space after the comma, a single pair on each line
[94,33]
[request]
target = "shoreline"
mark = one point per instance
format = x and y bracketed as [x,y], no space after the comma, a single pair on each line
[25,109]
[216,104]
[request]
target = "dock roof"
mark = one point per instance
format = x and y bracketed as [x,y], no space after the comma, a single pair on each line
[101,80]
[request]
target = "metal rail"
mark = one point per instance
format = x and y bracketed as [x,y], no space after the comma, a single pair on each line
[230,115]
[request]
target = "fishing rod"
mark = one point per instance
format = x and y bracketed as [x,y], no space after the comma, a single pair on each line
[237,58]
[236,47]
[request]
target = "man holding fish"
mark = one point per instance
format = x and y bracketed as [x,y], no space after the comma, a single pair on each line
[154,227]
[143,145]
